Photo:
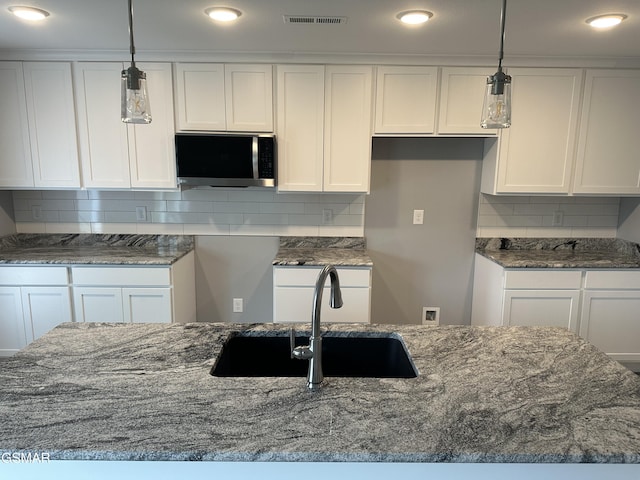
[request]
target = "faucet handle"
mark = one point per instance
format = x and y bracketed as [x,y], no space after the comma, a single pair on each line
[302,352]
[292,340]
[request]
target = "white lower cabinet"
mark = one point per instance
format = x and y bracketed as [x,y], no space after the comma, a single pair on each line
[611,313]
[552,308]
[98,304]
[521,297]
[33,300]
[135,294]
[44,308]
[13,334]
[293,289]
[602,306]
[128,305]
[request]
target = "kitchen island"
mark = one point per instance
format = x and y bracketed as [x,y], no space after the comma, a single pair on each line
[483,395]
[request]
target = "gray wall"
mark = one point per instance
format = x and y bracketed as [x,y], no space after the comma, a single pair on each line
[234,267]
[430,264]
[7,225]
[629,219]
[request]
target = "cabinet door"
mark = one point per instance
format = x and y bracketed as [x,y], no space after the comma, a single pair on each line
[611,321]
[15,151]
[200,97]
[553,308]
[151,146]
[104,150]
[461,97]
[13,335]
[52,124]
[44,308]
[147,305]
[300,125]
[607,160]
[406,100]
[536,154]
[249,98]
[98,304]
[347,131]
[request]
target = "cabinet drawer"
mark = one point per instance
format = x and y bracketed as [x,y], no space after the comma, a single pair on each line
[295,304]
[121,276]
[543,279]
[18,275]
[613,280]
[307,276]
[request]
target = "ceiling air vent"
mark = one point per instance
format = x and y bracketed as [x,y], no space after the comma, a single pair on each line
[310,20]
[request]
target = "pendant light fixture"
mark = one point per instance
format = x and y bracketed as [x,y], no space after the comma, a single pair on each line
[134,101]
[496,111]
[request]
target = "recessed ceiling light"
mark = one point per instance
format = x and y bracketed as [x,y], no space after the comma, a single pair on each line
[29,13]
[414,17]
[606,21]
[223,14]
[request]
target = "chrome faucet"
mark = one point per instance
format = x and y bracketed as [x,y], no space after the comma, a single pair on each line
[313,351]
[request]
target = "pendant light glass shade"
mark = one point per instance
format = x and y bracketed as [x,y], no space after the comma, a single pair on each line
[134,100]
[496,109]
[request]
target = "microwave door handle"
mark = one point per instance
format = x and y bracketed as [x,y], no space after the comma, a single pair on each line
[254,157]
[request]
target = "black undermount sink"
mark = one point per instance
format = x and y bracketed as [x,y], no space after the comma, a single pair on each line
[342,356]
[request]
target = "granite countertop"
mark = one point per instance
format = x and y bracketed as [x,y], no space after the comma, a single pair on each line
[94,249]
[319,251]
[560,252]
[483,394]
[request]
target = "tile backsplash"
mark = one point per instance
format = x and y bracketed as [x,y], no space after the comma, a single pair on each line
[200,211]
[532,216]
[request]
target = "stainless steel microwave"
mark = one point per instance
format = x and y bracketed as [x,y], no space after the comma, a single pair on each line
[220,160]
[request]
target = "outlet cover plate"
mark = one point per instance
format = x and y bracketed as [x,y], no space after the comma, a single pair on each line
[431,316]
[238,305]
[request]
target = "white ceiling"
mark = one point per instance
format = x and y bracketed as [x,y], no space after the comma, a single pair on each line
[459,28]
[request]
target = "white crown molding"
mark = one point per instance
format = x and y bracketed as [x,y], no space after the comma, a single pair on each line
[318,58]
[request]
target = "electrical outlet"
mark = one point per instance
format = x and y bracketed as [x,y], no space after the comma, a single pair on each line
[36,212]
[141,214]
[327,216]
[431,316]
[558,217]
[418,217]
[238,305]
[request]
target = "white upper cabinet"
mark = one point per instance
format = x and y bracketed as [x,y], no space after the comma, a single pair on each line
[607,160]
[152,157]
[117,155]
[347,134]
[104,147]
[38,144]
[300,127]
[52,124]
[249,97]
[15,150]
[218,97]
[461,97]
[200,96]
[536,154]
[412,101]
[406,100]
[324,128]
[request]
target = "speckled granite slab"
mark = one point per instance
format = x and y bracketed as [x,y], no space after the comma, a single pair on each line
[483,394]
[560,252]
[318,251]
[94,249]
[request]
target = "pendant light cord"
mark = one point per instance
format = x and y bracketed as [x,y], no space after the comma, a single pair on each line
[132,48]
[502,20]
